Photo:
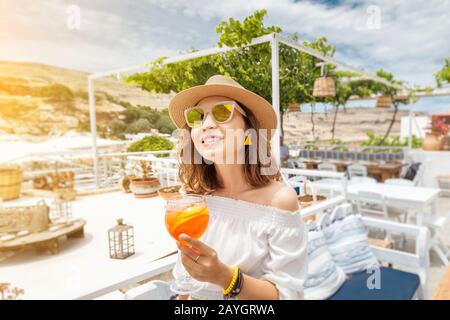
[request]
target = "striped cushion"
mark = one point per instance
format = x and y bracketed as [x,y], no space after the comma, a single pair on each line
[324,276]
[348,244]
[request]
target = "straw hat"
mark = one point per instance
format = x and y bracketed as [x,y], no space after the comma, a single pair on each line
[219,85]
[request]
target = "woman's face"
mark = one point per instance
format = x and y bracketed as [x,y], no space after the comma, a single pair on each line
[219,142]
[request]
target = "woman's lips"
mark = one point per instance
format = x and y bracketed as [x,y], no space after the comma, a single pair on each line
[210,140]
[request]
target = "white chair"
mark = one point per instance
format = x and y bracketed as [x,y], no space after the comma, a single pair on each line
[375,204]
[358,174]
[291,164]
[326,166]
[405,182]
[153,290]
[437,224]
[362,180]
[295,181]
[357,170]
[295,164]
[114,295]
[300,165]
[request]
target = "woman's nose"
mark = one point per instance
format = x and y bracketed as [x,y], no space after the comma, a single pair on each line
[209,122]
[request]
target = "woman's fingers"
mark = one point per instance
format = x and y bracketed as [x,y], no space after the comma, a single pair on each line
[190,264]
[205,249]
[189,252]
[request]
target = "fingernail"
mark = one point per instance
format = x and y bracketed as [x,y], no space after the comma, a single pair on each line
[183,236]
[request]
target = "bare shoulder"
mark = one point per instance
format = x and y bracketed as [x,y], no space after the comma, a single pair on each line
[284,197]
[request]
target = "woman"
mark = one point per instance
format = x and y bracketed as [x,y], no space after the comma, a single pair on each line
[254,246]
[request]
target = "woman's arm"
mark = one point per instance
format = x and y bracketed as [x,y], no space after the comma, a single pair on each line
[209,268]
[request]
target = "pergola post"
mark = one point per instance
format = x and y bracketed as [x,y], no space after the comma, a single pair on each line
[93,123]
[410,129]
[276,96]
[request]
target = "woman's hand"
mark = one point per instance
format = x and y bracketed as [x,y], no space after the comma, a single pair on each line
[203,263]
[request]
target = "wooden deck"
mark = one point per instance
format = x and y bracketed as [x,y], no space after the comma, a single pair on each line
[443,290]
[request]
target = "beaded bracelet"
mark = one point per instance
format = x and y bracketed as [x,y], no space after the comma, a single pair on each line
[233,281]
[236,288]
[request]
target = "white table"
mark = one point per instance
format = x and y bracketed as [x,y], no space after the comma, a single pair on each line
[408,197]
[83,269]
[417,198]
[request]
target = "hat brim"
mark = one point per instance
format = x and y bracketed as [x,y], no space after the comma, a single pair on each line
[260,107]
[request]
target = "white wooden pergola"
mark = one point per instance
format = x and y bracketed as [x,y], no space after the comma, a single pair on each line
[274,39]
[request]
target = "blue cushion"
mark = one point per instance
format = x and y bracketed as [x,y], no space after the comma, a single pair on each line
[394,285]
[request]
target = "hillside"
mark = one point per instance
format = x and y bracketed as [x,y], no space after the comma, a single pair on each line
[351,124]
[39,99]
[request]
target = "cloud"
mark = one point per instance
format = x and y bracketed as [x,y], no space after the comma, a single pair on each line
[107,38]
[411,41]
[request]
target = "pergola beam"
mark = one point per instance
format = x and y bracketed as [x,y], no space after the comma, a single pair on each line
[337,63]
[183,57]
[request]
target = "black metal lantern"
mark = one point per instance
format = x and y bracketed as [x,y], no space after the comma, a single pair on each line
[121,240]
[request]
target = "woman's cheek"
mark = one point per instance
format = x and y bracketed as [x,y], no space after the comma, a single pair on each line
[196,138]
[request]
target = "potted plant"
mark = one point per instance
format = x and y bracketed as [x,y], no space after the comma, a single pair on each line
[433,138]
[145,185]
[125,181]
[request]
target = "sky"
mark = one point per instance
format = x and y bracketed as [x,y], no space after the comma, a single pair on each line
[407,37]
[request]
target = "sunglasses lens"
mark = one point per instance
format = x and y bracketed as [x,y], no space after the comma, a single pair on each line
[222,112]
[195,117]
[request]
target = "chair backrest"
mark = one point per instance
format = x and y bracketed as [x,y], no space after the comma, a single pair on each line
[326,166]
[367,199]
[419,175]
[153,290]
[356,169]
[300,165]
[296,181]
[291,164]
[361,179]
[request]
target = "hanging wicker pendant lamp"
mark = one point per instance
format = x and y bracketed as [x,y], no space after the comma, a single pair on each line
[324,86]
[294,107]
[384,102]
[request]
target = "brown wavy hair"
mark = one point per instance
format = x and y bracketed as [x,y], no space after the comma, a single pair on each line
[201,178]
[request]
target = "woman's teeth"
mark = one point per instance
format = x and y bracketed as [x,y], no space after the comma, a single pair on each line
[211,140]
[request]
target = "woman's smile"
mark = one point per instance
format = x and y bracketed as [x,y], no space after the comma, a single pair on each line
[210,140]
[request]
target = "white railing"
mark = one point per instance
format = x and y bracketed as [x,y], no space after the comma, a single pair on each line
[165,169]
[111,166]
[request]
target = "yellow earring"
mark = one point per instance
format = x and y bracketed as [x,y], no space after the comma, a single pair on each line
[248,141]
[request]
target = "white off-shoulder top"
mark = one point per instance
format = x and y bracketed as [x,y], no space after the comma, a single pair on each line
[265,242]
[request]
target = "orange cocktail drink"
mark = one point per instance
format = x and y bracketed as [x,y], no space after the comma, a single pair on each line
[186,214]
